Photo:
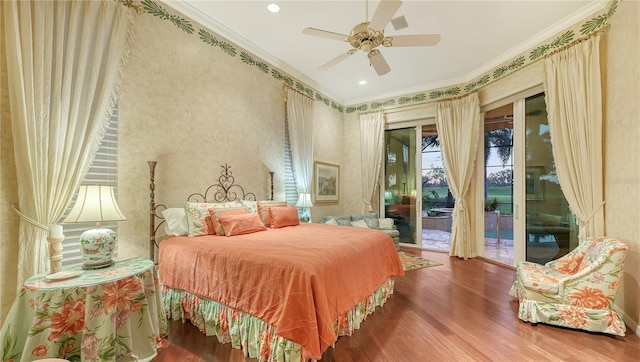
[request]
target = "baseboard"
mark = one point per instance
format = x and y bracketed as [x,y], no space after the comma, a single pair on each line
[631,324]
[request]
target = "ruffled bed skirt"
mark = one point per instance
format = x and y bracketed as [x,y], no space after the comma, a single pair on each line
[255,337]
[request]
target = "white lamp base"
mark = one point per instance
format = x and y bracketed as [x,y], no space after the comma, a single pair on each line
[96,247]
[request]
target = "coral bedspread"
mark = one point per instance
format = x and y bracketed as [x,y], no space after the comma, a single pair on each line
[299,279]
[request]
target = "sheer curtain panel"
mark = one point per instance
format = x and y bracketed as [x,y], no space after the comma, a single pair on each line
[458,123]
[573,91]
[372,146]
[65,60]
[300,115]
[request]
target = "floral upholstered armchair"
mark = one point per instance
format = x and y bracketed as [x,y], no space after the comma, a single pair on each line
[577,290]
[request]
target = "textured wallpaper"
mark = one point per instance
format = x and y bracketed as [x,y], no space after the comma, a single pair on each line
[621,49]
[190,107]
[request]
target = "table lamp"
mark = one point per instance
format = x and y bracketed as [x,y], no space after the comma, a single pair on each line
[96,203]
[304,202]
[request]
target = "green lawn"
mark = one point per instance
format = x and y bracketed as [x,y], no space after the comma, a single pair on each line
[503,194]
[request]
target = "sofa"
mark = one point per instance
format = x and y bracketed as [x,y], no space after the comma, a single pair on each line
[541,224]
[370,220]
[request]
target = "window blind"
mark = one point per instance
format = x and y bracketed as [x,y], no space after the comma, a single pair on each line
[103,171]
[290,188]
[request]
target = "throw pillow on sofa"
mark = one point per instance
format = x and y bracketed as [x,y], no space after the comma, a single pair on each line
[385,224]
[371,219]
[343,220]
[360,224]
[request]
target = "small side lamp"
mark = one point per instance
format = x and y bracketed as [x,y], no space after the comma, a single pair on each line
[96,203]
[304,202]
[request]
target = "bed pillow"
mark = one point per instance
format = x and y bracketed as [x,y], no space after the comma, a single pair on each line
[198,219]
[175,221]
[385,224]
[360,224]
[283,216]
[216,214]
[250,204]
[241,224]
[263,208]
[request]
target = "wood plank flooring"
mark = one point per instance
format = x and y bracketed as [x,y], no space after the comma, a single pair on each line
[459,311]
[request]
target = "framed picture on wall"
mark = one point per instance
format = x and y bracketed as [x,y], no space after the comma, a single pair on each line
[326,179]
[533,185]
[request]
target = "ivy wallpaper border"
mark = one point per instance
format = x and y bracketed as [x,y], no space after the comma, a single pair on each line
[585,30]
[152,8]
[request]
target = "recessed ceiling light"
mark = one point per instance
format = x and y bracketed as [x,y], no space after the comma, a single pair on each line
[274,8]
[362,82]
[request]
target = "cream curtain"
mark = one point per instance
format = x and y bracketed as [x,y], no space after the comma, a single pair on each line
[372,146]
[574,105]
[300,113]
[458,124]
[65,60]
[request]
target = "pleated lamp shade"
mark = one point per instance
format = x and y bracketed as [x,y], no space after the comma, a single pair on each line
[96,203]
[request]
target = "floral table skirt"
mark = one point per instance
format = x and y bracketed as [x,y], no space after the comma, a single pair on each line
[110,314]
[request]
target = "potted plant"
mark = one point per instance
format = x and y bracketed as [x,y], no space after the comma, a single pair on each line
[491,205]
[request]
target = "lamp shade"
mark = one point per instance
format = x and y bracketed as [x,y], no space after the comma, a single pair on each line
[95,203]
[304,200]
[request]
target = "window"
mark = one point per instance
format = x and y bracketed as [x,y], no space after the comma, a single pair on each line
[290,188]
[103,171]
[435,189]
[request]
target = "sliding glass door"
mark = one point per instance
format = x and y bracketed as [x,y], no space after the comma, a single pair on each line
[400,192]
[526,214]
[551,230]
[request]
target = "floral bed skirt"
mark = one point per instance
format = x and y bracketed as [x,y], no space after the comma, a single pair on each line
[256,338]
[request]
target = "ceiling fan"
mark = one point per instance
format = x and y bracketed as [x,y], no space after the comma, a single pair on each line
[369,35]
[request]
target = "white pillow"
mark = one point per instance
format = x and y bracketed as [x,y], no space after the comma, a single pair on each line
[175,221]
[198,213]
[386,224]
[251,205]
[360,224]
[331,222]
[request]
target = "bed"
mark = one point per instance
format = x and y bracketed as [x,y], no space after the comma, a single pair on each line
[280,293]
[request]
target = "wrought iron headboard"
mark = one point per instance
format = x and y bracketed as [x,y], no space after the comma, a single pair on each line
[225,190]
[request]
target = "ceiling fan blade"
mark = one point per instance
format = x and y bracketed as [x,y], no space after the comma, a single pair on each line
[325,34]
[385,11]
[378,62]
[336,60]
[411,40]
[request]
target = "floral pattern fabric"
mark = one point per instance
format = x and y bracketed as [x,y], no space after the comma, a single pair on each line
[577,290]
[256,338]
[110,314]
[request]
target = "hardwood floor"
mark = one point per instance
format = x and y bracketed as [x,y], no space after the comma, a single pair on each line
[459,311]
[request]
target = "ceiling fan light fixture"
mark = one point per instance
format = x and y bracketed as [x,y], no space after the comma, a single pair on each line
[369,35]
[366,46]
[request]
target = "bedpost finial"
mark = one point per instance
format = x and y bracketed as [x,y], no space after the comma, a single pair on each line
[152,166]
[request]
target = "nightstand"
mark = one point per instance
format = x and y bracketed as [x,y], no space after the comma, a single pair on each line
[114,313]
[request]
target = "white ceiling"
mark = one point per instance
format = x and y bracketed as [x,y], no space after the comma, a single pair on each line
[476,36]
